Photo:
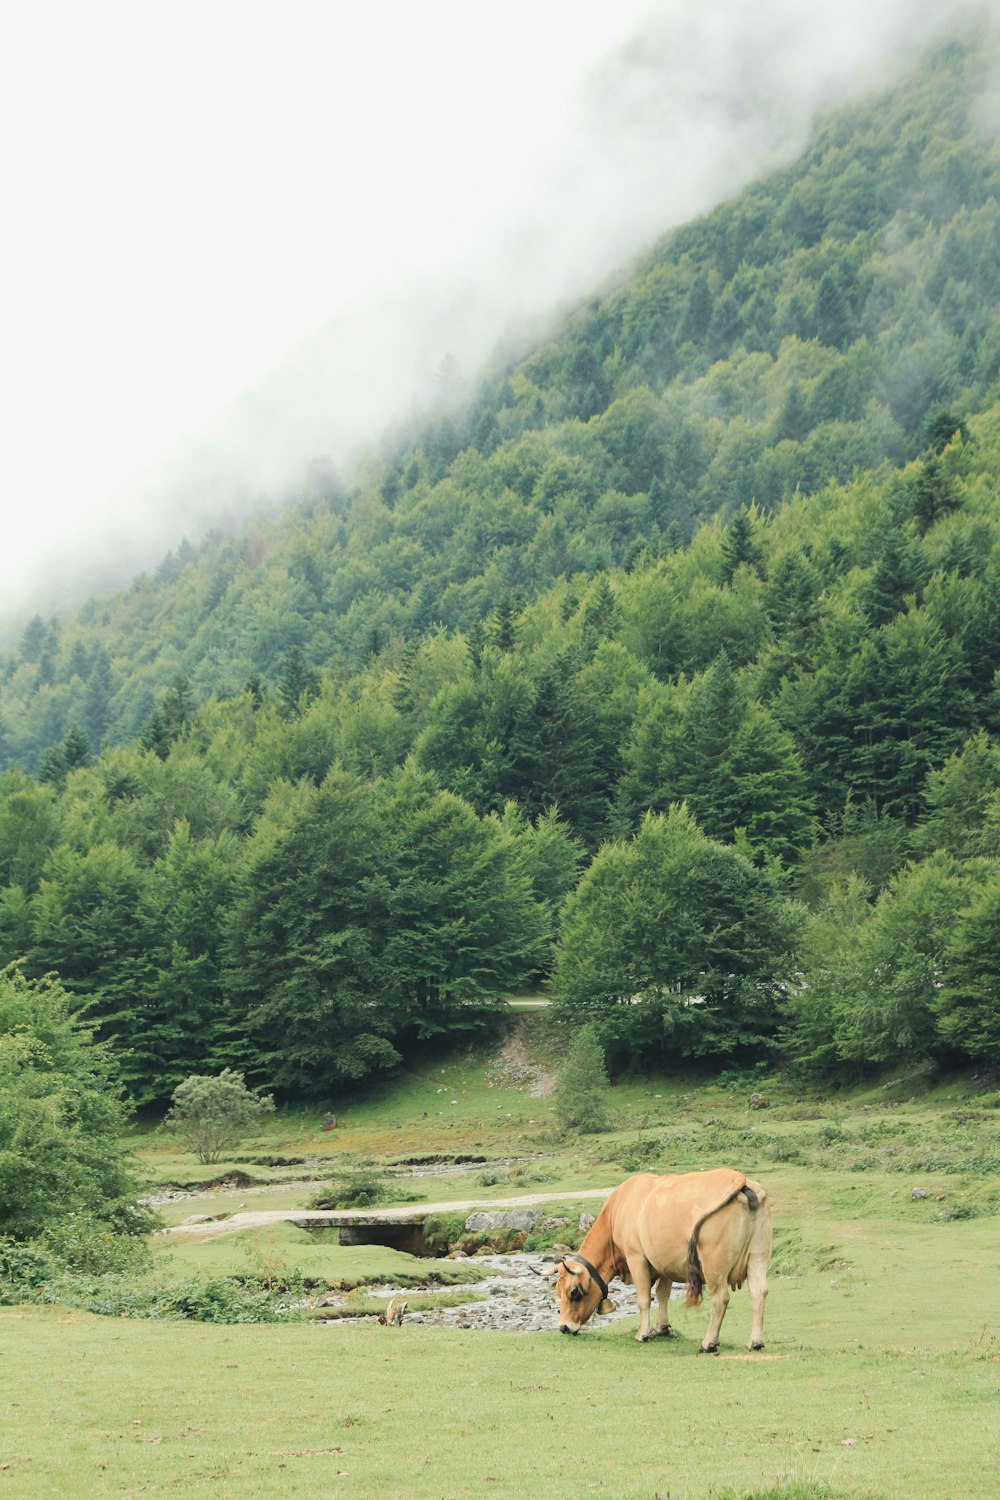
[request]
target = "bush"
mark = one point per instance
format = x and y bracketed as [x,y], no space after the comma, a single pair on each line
[442,1231]
[214,1114]
[62,1118]
[86,1245]
[24,1269]
[357,1188]
[217,1299]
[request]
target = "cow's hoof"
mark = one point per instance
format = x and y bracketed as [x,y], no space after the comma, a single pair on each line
[709,1349]
[662,1333]
[755,1348]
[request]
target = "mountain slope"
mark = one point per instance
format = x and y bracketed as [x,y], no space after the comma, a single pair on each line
[666,674]
[807,329]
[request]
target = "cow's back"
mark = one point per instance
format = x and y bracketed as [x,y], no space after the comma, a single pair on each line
[671,1209]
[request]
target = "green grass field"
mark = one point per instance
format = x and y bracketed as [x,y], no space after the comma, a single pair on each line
[881,1378]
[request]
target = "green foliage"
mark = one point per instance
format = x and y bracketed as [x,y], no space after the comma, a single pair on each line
[213,1114]
[583,1093]
[730,538]
[884,983]
[968,1004]
[63,1158]
[357,1187]
[675,945]
[217,1299]
[391,892]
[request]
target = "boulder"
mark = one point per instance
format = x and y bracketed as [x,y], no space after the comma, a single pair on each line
[500,1219]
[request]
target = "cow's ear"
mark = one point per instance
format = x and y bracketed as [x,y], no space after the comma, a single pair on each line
[607,1306]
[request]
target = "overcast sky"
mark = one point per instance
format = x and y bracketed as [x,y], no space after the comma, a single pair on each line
[190,189]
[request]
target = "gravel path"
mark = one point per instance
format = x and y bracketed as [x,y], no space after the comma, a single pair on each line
[210,1228]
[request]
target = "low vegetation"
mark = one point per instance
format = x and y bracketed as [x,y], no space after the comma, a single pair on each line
[213,1113]
[880,1194]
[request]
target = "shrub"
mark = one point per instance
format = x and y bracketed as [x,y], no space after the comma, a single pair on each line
[80,1243]
[217,1299]
[24,1268]
[442,1231]
[357,1188]
[214,1114]
[62,1119]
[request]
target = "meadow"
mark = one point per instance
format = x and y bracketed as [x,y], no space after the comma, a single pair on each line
[881,1377]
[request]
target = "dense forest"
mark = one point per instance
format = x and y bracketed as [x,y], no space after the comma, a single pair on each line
[661,671]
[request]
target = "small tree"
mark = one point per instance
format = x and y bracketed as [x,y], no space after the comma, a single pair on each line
[583,1092]
[64,1158]
[213,1114]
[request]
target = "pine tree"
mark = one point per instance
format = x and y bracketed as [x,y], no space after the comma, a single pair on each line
[97,698]
[299,683]
[583,1093]
[893,579]
[698,312]
[155,735]
[76,749]
[739,544]
[792,422]
[475,642]
[933,493]
[599,613]
[178,706]
[505,624]
[832,315]
[941,427]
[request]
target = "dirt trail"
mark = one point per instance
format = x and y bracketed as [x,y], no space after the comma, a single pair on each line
[254,1218]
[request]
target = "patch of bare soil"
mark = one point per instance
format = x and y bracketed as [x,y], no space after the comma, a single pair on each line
[513,1068]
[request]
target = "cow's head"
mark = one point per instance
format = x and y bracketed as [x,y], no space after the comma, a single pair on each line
[581,1291]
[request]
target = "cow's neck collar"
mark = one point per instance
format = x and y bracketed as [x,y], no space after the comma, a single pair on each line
[585,1263]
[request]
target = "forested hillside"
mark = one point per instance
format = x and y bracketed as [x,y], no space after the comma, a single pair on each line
[665,672]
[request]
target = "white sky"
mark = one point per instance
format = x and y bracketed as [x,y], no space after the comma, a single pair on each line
[190,188]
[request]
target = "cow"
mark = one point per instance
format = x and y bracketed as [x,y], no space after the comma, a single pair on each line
[711,1230]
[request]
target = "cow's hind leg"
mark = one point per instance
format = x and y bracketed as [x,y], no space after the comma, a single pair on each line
[643,1281]
[757,1288]
[663,1329]
[719,1294]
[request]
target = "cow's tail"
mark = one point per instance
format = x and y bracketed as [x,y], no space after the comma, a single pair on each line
[695,1274]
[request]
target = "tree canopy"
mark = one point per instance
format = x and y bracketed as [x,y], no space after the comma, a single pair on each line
[665,670]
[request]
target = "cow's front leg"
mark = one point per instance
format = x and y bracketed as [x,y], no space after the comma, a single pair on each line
[720,1301]
[663,1329]
[642,1278]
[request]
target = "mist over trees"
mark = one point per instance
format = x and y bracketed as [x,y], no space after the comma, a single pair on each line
[664,673]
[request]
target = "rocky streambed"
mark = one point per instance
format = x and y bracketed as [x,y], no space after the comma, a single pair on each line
[511,1298]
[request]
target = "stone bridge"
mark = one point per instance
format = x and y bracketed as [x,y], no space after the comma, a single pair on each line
[398,1231]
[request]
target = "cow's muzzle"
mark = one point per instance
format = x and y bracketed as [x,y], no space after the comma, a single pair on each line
[569,1328]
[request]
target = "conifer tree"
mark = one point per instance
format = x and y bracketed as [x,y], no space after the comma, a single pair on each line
[893,579]
[298,684]
[739,544]
[583,1093]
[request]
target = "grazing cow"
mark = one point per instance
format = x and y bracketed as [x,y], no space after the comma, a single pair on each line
[711,1230]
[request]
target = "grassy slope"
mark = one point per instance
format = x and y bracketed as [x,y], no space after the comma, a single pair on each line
[880,1378]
